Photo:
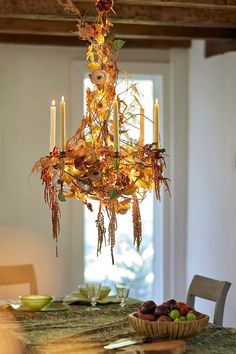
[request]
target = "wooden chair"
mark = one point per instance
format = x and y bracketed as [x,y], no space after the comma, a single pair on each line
[210,289]
[19,274]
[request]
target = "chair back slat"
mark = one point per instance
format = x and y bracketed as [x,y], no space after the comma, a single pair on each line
[19,274]
[209,289]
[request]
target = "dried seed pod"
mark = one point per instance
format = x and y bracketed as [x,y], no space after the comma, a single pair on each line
[57,181]
[98,78]
[94,175]
[83,184]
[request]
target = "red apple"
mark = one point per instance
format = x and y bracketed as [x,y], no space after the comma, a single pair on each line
[147,316]
[172,304]
[164,319]
[161,310]
[183,309]
[148,307]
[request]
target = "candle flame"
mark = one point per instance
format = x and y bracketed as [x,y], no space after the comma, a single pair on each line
[156,100]
[62,98]
[53,102]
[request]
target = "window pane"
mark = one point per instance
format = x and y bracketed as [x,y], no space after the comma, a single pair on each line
[130,265]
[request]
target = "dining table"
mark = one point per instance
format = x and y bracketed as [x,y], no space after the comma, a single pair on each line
[72,327]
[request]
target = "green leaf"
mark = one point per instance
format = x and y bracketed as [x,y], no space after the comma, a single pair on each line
[113,193]
[117,44]
[61,196]
[116,164]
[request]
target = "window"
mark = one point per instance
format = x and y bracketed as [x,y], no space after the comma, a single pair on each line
[138,268]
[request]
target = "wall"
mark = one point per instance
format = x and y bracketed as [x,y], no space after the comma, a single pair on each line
[179,177]
[212,171]
[30,78]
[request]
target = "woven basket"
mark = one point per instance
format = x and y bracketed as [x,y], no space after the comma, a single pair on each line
[176,329]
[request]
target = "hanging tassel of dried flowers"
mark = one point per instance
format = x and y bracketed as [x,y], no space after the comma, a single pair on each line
[50,197]
[112,228]
[137,223]
[101,229]
[157,171]
[158,165]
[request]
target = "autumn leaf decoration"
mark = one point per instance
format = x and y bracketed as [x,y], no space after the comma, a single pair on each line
[88,169]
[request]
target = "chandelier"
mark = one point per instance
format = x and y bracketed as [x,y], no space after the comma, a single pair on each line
[101,161]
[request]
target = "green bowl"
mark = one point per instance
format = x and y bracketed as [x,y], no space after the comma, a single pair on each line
[103,292]
[35,302]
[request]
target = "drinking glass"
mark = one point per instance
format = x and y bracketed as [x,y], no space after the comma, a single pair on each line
[93,292]
[122,291]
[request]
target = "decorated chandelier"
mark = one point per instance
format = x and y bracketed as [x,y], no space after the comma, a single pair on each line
[101,161]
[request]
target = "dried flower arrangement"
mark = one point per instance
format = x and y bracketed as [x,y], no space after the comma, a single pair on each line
[101,161]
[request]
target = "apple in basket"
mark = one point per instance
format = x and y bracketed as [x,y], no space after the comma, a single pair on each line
[170,310]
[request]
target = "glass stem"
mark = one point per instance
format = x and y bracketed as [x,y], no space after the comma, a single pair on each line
[93,303]
[122,303]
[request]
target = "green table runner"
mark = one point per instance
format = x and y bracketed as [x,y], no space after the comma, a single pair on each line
[80,331]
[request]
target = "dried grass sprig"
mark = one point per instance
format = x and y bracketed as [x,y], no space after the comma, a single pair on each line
[69,7]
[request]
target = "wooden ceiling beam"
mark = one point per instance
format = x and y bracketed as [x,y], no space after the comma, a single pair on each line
[157,43]
[74,41]
[187,2]
[185,13]
[53,6]
[219,47]
[67,28]
[171,2]
[217,16]
[142,23]
[180,32]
